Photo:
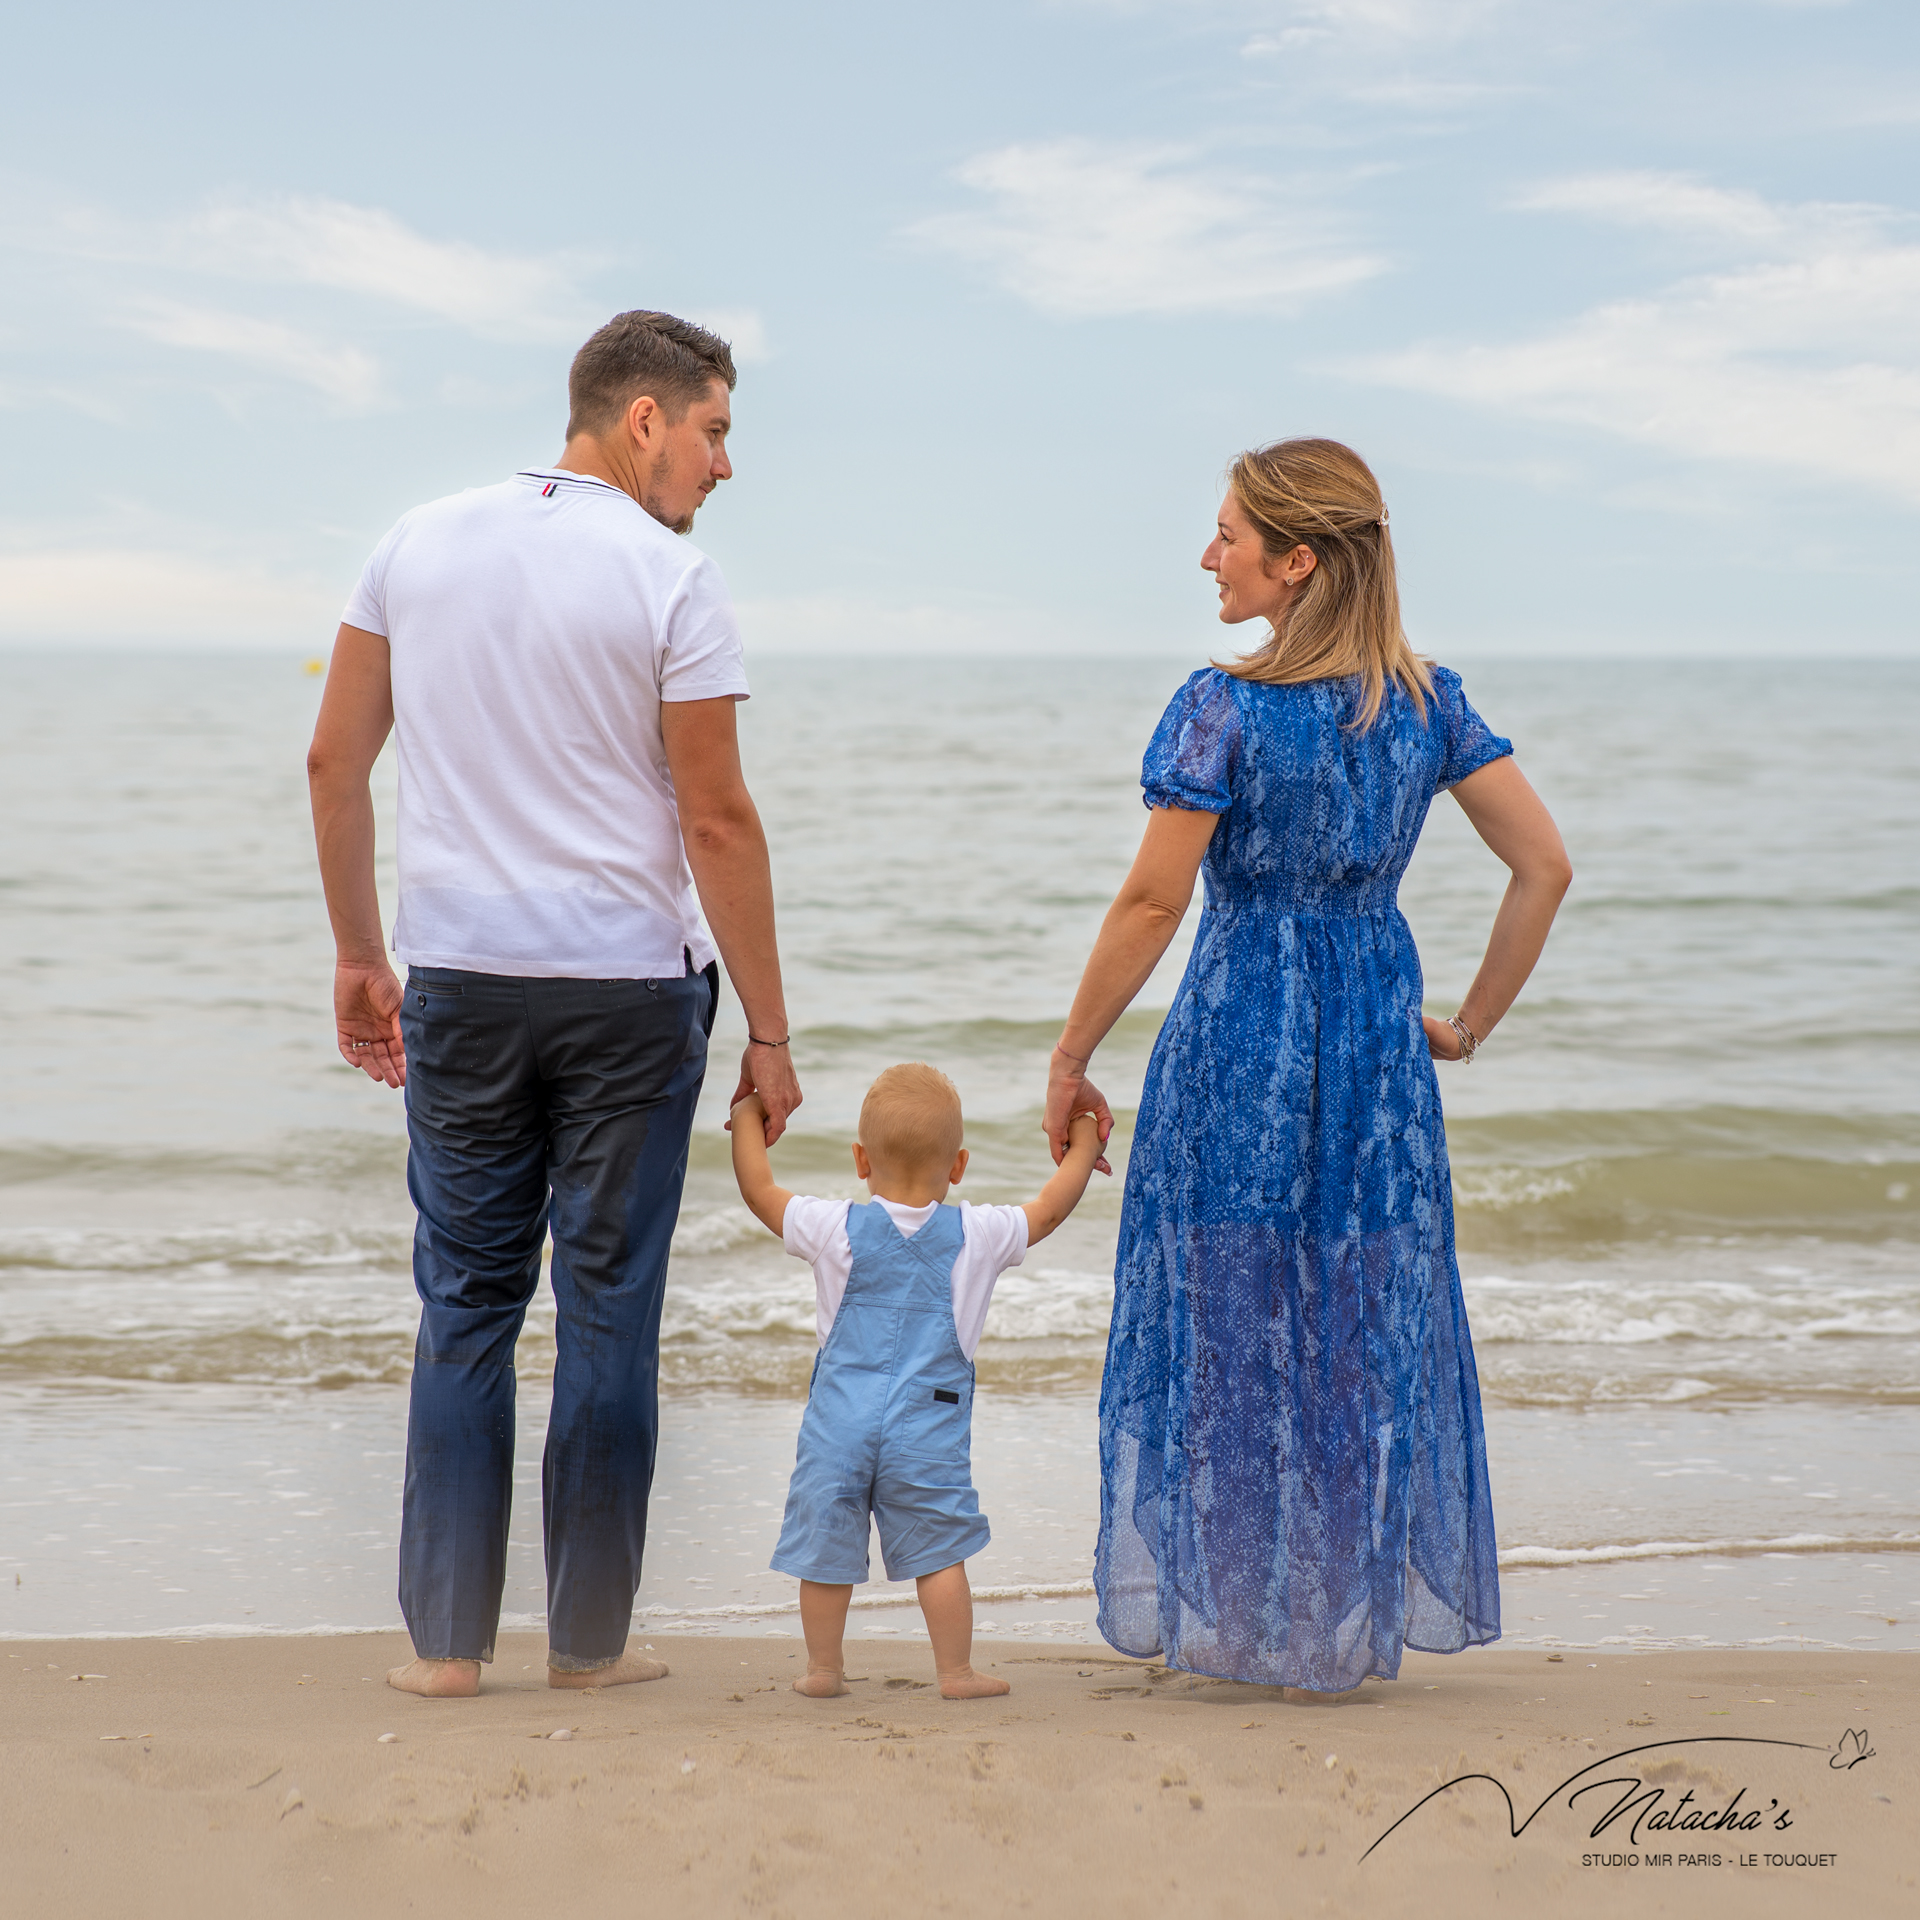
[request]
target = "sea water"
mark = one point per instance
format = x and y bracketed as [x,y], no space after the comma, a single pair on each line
[1687,1167]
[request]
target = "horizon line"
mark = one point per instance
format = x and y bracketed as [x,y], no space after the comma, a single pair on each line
[1639,650]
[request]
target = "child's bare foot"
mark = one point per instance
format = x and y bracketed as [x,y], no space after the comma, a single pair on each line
[968,1685]
[629,1668]
[822,1683]
[438,1679]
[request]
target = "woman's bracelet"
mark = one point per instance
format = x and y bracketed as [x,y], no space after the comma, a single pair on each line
[752,1041]
[1469,1041]
[1078,1059]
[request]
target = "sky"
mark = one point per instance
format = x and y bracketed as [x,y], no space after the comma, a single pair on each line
[1619,301]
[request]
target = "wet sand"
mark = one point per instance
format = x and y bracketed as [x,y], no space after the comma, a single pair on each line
[210,1778]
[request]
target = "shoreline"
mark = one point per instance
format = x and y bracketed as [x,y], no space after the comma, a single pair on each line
[194,1507]
[239,1776]
[1682,1590]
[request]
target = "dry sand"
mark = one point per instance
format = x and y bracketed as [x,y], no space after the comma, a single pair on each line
[217,1778]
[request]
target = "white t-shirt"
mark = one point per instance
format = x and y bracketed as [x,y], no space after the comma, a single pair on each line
[536,627]
[995,1238]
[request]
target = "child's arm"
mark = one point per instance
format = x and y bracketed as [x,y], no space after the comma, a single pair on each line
[1061,1194]
[751,1167]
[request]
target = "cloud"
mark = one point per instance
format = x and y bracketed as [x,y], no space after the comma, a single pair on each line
[1801,356]
[130,594]
[1674,203]
[344,374]
[369,251]
[1079,228]
[294,240]
[219,280]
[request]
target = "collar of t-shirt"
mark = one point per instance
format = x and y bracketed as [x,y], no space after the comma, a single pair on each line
[909,1219]
[567,477]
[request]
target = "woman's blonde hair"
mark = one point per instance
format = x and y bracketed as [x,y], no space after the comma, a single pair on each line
[1345,620]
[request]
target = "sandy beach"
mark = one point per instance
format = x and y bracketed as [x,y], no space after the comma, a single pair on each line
[244,1777]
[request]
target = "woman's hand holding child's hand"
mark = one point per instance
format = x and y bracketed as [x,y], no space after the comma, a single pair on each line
[1070,1092]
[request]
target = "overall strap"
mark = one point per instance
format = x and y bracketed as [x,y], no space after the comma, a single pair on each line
[917,1266]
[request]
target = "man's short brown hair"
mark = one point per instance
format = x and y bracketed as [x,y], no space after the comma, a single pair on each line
[911,1119]
[643,353]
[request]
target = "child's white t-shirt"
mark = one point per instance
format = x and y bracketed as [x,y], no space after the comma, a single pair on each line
[995,1238]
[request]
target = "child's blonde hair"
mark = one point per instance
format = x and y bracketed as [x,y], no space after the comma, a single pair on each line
[910,1118]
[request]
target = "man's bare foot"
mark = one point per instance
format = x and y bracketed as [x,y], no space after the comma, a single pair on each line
[438,1679]
[968,1685]
[623,1673]
[822,1683]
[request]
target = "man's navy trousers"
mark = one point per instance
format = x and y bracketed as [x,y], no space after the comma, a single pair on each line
[529,1102]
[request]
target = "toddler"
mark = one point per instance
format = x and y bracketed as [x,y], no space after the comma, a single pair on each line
[903,1283]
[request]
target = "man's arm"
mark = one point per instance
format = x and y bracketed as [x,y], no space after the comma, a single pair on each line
[1061,1194]
[356,715]
[766,1201]
[727,850]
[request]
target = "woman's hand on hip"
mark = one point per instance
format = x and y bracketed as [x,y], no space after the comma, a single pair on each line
[1442,1042]
[1069,1091]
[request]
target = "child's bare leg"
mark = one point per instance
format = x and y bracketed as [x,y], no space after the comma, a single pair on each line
[823,1619]
[947,1602]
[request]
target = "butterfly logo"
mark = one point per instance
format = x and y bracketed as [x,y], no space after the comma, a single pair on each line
[1851,1751]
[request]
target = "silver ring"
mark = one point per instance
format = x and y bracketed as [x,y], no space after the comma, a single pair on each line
[359,1045]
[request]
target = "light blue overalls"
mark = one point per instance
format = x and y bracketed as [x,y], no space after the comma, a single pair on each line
[888,1426]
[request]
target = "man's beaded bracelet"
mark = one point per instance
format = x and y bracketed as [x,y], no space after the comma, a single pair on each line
[755,1041]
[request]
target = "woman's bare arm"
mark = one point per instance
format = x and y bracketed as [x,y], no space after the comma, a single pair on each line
[1138,929]
[1509,816]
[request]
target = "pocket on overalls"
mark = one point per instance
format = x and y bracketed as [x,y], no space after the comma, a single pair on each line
[933,1418]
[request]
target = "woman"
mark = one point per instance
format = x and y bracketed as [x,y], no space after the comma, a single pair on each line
[1293,1467]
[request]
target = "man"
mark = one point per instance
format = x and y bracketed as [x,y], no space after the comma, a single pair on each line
[560,674]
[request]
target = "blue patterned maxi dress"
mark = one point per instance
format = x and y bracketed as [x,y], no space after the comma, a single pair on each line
[1293,1467]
